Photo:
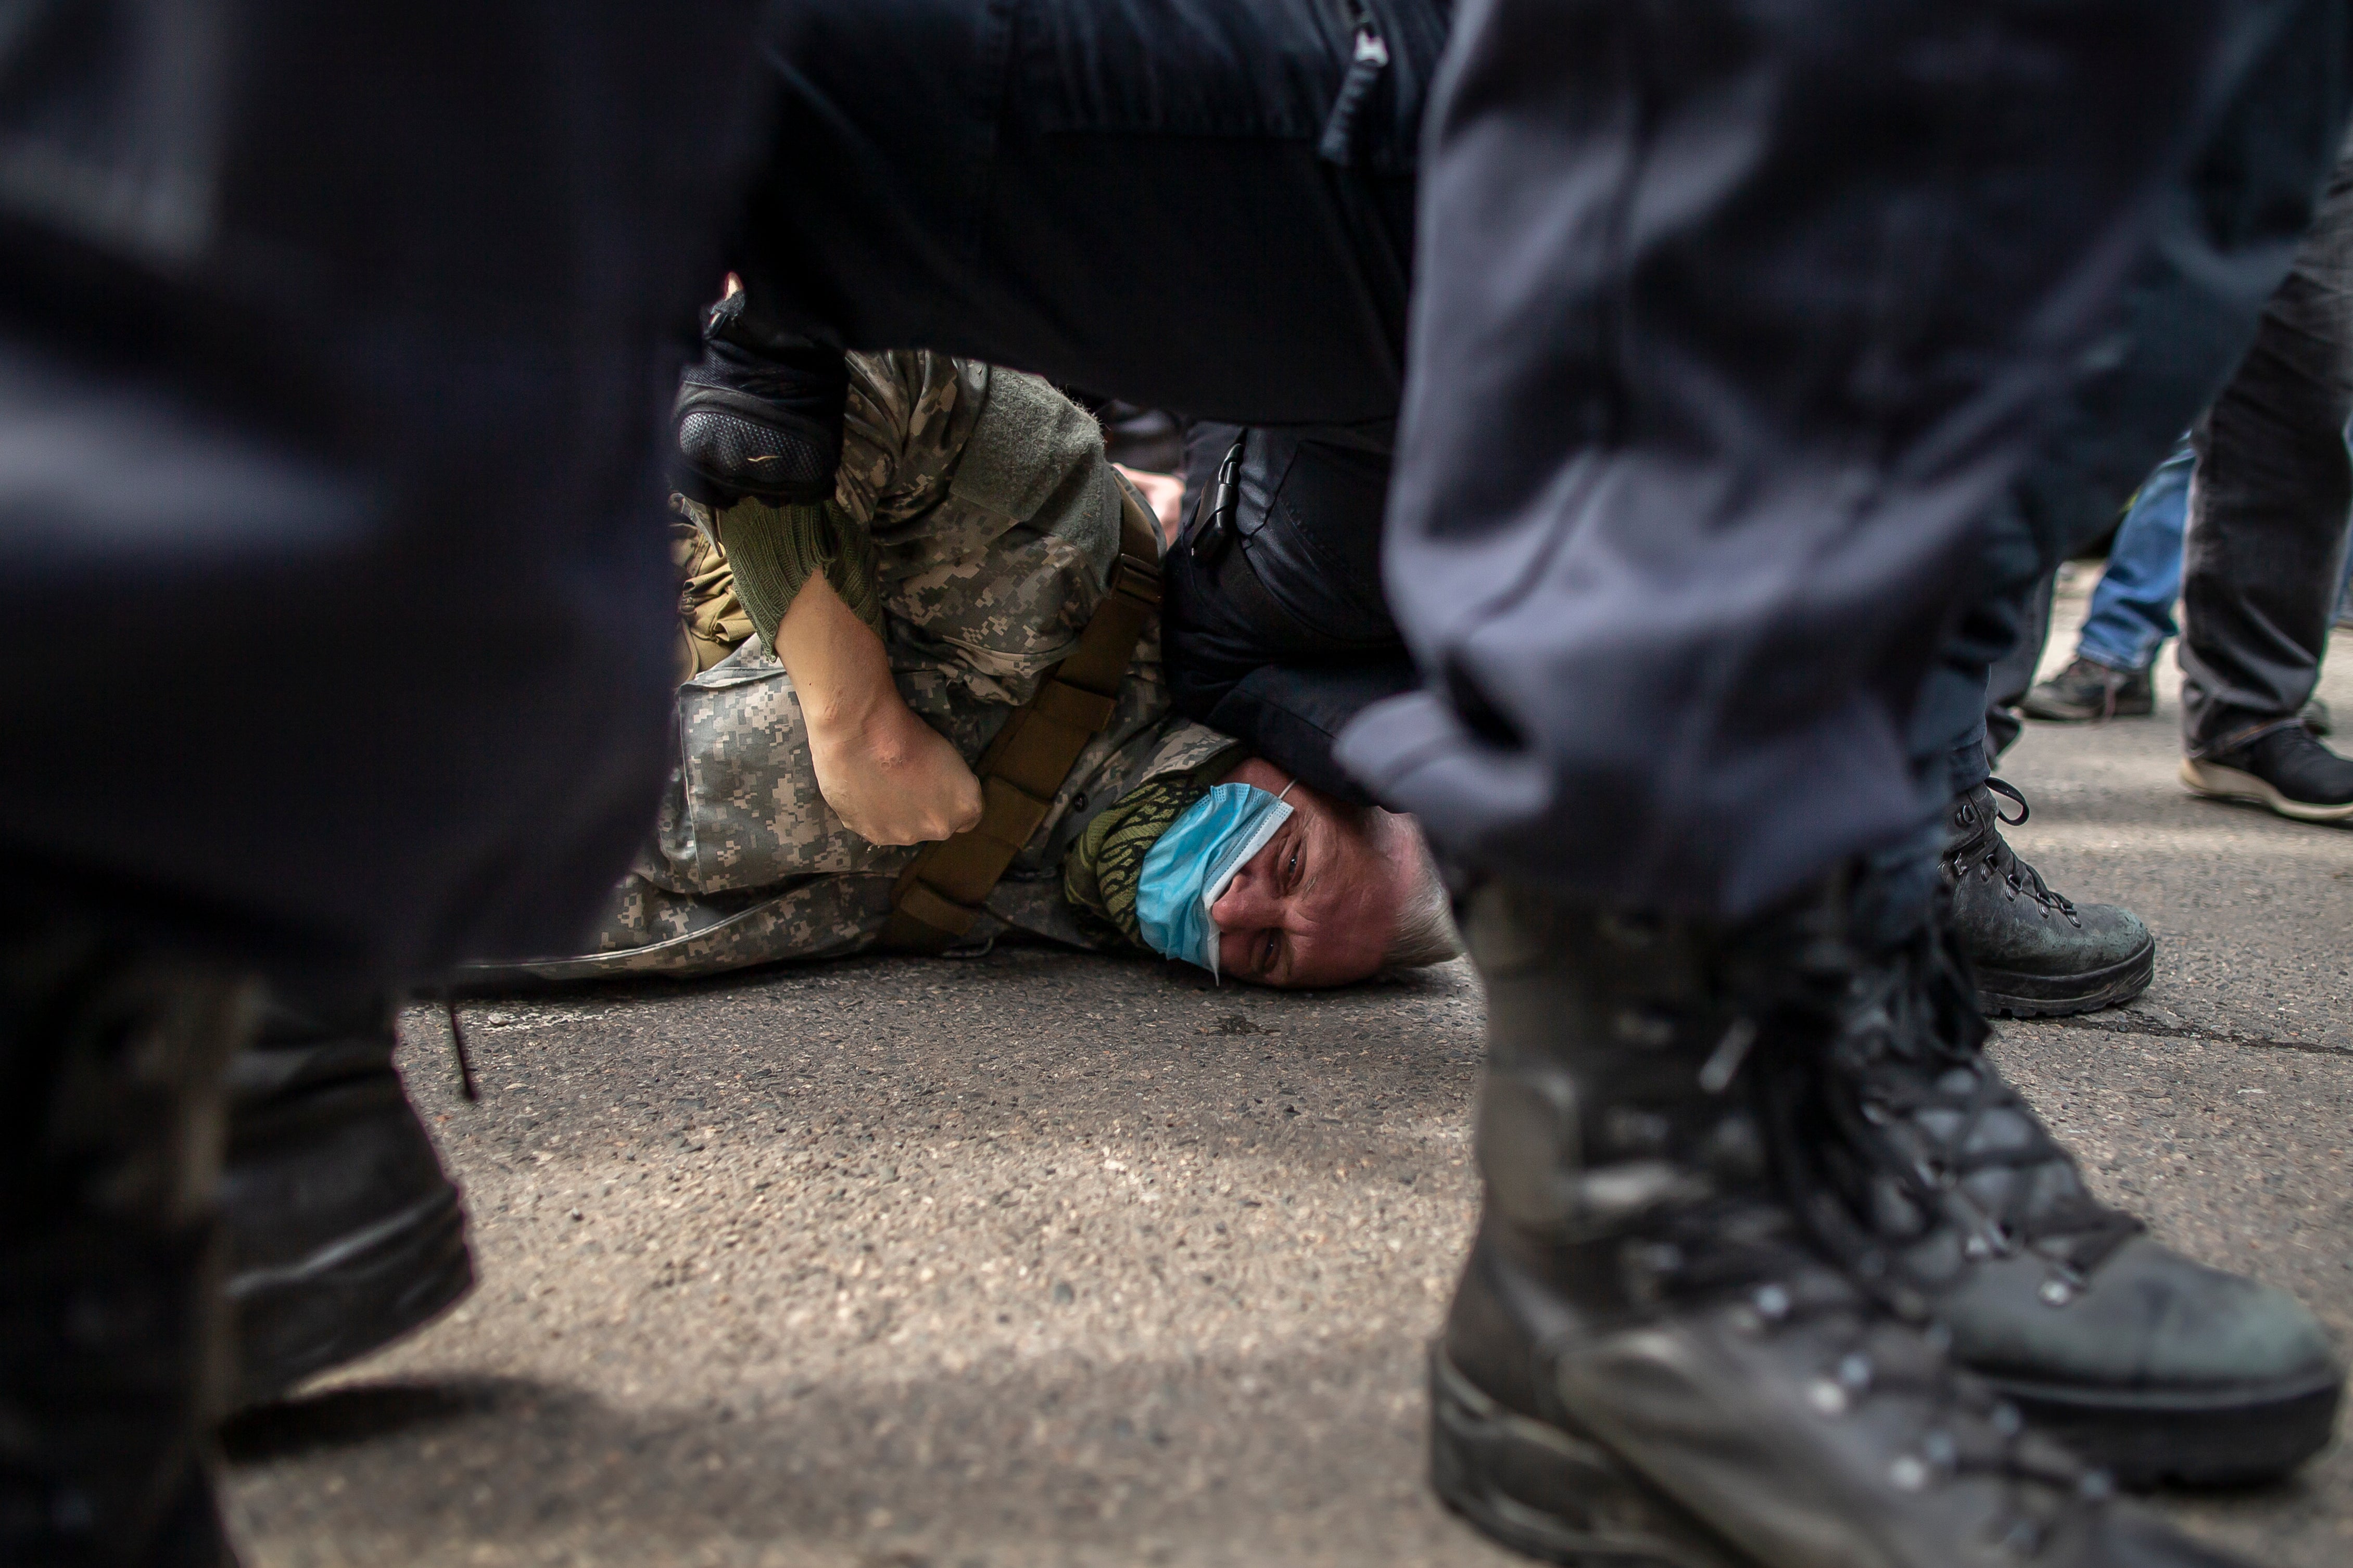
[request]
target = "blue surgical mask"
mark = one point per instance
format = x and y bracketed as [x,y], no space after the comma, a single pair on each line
[1194,863]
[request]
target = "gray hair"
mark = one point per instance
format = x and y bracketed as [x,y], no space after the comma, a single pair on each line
[1425,928]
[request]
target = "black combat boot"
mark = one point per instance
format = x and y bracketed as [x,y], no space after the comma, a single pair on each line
[112,1352]
[2151,1365]
[2036,955]
[344,1232]
[1651,1361]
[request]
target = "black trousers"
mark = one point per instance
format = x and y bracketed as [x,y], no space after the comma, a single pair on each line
[2265,556]
[335,605]
[1161,200]
[2006,686]
[332,348]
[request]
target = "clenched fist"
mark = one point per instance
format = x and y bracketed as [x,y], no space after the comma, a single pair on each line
[892,778]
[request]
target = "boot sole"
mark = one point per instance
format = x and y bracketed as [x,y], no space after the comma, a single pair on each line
[355,1295]
[2085,715]
[1551,1494]
[2231,1437]
[2229,783]
[2009,994]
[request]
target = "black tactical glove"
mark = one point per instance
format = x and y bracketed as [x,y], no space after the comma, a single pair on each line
[760,414]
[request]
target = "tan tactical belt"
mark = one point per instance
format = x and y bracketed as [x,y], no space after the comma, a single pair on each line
[940,895]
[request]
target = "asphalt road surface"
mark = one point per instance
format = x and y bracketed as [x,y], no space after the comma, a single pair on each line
[1049,1259]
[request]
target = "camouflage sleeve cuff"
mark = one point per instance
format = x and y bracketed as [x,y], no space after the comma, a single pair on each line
[775,550]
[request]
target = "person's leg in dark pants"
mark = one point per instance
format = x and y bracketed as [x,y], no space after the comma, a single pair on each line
[2032,951]
[1712,398]
[111,1349]
[335,610]
[2012,675]
[2265,552]
[1139,198]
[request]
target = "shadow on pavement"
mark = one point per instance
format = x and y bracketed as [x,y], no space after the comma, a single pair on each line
[365,1413]
[1041,1458]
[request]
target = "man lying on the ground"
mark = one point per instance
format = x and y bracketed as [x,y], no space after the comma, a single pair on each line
[850,664]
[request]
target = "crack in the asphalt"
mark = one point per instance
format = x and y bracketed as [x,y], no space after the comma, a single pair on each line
[2180,1032]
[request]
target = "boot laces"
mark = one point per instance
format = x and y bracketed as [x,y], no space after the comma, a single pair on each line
[1924,1117]
[1963,1428]
[1872,1338]
[1989,851]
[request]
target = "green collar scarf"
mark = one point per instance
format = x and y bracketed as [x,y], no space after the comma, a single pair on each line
[1103,868]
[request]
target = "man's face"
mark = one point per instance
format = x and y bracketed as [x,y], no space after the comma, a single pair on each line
[1318,904]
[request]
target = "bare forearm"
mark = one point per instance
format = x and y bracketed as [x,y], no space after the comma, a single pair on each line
[892,778]
[839,668]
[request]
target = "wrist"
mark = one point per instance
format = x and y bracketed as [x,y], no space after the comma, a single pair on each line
[841,717]
[872,724]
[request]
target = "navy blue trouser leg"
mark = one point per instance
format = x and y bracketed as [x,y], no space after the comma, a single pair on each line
[334,609]
[1713,397]
[332,588]
[2009,679]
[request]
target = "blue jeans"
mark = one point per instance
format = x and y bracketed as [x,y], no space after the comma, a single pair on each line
[2132,609]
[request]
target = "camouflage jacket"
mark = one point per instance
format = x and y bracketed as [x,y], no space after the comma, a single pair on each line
[996,523]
